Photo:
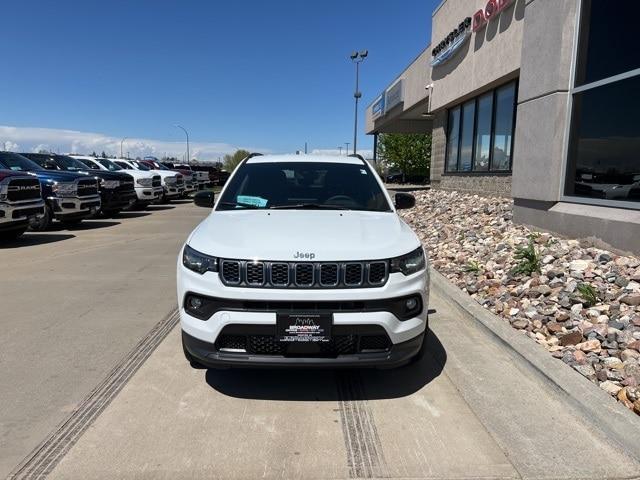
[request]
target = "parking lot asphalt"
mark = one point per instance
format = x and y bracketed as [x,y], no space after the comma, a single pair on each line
[74,302]
[465,411]
[79,302]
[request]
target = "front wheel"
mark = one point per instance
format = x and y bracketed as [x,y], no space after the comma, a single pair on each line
[43,222]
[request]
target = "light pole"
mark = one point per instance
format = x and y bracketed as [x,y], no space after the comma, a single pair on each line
[121,142]
[357,58]
[187,134]
[340,147]
[347,149]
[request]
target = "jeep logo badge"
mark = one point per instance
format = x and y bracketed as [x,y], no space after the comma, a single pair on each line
[305,256]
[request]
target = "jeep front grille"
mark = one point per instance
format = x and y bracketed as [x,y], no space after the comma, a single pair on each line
[249,273]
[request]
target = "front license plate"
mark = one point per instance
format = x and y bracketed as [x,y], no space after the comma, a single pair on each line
[304,327]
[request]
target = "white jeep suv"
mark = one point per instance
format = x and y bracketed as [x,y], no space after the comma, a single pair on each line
[303,262]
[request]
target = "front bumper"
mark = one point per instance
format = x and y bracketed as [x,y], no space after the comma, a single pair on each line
[74,207]
[206,354]
[172,191]
[114,199]
[149,194]
[403,335]
[17,215]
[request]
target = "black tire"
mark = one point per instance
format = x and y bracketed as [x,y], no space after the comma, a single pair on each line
[43,222]
[192,361]
[14,234]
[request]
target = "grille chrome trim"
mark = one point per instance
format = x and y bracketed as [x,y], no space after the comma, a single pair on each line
[282,274]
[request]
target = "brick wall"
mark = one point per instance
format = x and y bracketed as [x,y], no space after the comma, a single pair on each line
[438,147]
[490,185]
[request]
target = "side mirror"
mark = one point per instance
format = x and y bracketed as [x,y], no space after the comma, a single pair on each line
[204,199]
[404,200]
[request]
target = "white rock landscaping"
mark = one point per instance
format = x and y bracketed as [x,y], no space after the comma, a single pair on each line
[579,302]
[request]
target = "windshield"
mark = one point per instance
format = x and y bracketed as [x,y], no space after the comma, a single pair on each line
[89,163]
[17,163]
[303,185]
[69,163]
[124,165]
[109,165]
[141,166]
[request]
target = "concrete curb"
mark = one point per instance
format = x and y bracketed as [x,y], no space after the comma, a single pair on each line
[594,405]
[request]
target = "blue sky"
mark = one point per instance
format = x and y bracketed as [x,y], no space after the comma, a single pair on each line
[268,75]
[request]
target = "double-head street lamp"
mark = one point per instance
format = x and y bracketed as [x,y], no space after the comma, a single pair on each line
[187,134]
[357,58]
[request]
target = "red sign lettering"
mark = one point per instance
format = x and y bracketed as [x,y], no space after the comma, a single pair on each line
[490,11]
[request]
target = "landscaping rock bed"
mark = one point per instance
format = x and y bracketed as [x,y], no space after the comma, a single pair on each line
[579,302]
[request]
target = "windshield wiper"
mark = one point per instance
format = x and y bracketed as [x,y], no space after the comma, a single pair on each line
[311,206]
[243,205]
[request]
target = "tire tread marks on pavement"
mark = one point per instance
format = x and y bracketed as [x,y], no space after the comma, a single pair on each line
[44,458]
[365,457]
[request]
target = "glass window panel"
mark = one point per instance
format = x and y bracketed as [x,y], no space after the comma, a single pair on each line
[466,137]
[483,132]
[503,130]
[608,39]
[452,139]
[604,157]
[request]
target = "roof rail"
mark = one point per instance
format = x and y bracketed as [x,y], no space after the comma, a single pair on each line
[357,155]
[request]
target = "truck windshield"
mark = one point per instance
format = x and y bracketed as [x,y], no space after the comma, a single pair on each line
[109,165]
[69,163]
[304,185]
[17,163]
[141,166]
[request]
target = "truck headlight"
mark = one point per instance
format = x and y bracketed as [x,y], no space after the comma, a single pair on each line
[65,189]
[145,182]
[171,180]
[198,262]
[109,184]
[410,263]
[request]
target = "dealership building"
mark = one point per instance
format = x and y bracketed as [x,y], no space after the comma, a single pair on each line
[534,99]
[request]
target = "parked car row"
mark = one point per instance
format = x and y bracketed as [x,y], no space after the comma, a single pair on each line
[38,188]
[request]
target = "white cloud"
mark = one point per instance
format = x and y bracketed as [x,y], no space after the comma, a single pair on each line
[73,141]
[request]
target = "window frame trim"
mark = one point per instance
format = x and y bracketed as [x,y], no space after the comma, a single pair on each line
[489,171]
[568,127]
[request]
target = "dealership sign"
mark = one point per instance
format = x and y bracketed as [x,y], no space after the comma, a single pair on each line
[451,43]
[394,95]
[377,109]
[491,11]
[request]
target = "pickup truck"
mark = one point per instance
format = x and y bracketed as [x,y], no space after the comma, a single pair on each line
[20,203]
[69,197]
[116,189]
[172,181]
[190,178]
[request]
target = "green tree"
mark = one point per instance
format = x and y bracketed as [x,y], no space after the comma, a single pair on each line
[408,152]
[232,161]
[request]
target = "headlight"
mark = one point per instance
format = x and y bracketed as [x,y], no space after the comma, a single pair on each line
[171,180]
[109,184]
[65,189]
[198,262]
[144,182]
[410,263]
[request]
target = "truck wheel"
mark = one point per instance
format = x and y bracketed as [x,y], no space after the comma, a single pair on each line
[43,222]
[12,234]
[192,361]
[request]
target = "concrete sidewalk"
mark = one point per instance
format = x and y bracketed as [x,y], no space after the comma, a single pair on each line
[465,412]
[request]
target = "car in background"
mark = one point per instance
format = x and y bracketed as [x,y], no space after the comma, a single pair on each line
[21,203]
[172,182]
[69,197]
[116,189]
[201,176]
[190,180]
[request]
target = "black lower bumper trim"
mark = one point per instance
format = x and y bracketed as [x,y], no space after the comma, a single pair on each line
[206,354]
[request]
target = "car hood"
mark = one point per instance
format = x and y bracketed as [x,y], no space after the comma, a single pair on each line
[105,175]
[336,235]
[58,175]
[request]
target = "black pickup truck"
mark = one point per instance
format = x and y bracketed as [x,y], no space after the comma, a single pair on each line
[20,203]
[69,197]
[117,190]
